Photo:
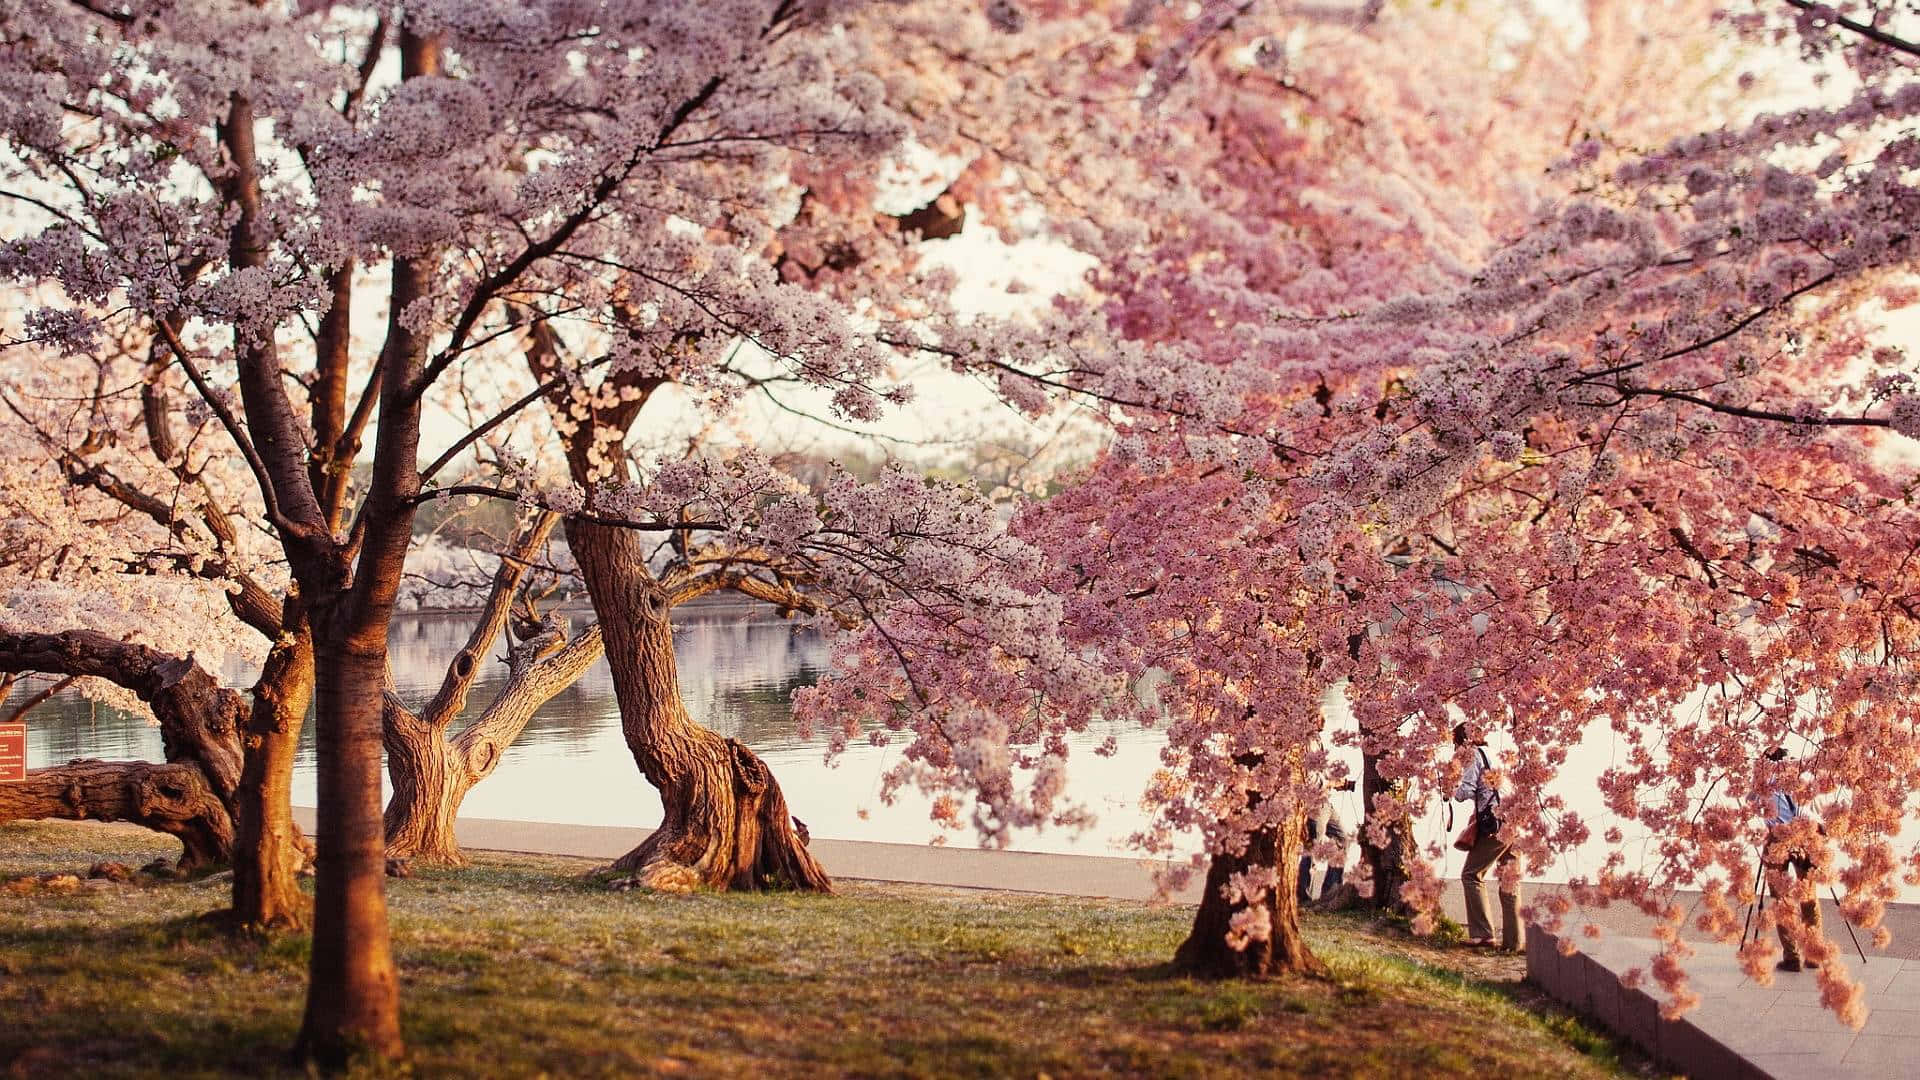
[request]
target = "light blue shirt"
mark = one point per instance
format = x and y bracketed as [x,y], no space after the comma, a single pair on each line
[1473,784]
[1781,808]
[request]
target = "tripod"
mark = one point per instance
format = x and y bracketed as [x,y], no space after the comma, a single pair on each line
[1759,898]
[1760,903]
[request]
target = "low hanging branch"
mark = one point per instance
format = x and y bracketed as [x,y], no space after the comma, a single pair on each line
[172,798]
[190,796]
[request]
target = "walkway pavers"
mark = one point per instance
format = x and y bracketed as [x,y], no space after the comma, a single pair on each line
[1741,1029]
[854,860]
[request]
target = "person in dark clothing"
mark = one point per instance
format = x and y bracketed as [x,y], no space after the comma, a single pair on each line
[1324,822]
[1780,811]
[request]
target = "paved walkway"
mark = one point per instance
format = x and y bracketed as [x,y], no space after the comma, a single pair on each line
[1742,1029]
[852,860]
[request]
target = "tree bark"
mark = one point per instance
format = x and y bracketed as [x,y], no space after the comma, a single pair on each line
[427,790]
[1207,951]
[725,822]
[200,723]
[173,798]
[199,719]
[353,989]
[268,849]
[432,773]
[1387,859]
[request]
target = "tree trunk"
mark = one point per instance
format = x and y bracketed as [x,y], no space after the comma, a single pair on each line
[1207,951]
[353,989]
[427,789]
[200,724]
[432,776]
[268,848]
[174,798]
[725,823]
[199,719]
[432,773]
[1387,858]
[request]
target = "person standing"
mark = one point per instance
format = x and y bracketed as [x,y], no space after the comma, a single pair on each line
[1781,811]
[1491,848]
[1324,822]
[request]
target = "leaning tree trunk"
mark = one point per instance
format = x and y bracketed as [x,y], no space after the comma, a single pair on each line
[432,773]
[1386,840]
[268,846]
[725,823]
[199,719]
[1209,951]
[173,798]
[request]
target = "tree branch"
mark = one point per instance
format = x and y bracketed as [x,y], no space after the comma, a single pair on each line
[1871,33]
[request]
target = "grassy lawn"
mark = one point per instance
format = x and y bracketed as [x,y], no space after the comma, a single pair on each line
[521,965]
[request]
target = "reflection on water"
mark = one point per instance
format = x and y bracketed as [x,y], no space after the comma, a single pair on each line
[739,667]
[737,675]
[738,670]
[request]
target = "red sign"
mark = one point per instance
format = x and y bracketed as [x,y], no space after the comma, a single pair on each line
[13,753]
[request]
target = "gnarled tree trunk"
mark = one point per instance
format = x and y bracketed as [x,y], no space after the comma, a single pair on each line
[1208,952]
[725,822]
[199,727]
[173,798]
[432,773]
[199,719]
[427,791]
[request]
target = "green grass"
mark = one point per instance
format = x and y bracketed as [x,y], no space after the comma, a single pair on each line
[523,965]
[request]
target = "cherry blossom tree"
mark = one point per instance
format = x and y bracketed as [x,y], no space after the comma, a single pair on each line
[1697,312]
[238,181]
[1291,179]
[129,558]
[1714,302]
[114,528]
[624,197]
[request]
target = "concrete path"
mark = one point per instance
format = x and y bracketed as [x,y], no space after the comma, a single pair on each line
[1741,1029]
[853,860]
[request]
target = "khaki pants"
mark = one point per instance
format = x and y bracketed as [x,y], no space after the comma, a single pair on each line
[1487,851]
[1809,909]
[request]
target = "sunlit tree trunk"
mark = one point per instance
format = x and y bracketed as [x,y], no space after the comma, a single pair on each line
[268,849]
[427,789]
[1209,951]
[200,723]
[172,798]
[725,822]
[432,772]
[1213,948]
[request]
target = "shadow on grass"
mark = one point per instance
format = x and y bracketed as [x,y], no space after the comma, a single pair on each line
[204,928]
[106,1000]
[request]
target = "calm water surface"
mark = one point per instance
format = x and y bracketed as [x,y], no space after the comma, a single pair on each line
[738,670]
